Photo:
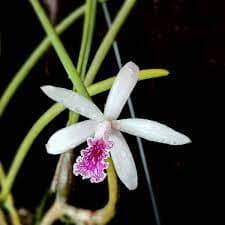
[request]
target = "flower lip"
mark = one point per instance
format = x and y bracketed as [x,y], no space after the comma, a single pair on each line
[91,163]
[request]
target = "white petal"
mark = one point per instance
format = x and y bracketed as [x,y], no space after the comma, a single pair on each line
[123,160]
[73,101]
[151,130]
[121,90]
[70,137]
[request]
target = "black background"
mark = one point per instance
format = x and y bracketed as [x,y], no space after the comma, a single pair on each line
[186,37]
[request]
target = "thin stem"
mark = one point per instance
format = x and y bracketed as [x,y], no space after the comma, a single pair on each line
[113,185]
[52,215]
[64,176]
[108,41]
[59,48]
[39,51]
[14,217]
[24,147]
[41,207]
[2,218]
[106,84]
[2,174]
[108,212]
[9,204]
[2,215]
[77,216]
[87,36]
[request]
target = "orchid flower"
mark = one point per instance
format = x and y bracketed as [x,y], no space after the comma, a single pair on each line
[103,131]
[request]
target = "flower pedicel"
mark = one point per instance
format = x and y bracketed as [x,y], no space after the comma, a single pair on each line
[102,130]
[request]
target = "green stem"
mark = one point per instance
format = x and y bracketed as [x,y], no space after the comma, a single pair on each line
[9,204]
[2,218]
[14,217]
[87,36]
[52,215]
[59,48]
[108,41]
[40,209]
[106,84]
[46,118]
[23,72]
[24,147]
[110,208]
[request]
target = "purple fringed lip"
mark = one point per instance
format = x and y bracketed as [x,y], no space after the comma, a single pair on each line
[91,164]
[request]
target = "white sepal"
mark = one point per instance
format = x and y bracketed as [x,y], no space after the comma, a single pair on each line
[151,130]
[70,137]
[123,160]
[73,101]
[122,87]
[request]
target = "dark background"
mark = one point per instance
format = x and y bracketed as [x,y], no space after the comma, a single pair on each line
[187,37]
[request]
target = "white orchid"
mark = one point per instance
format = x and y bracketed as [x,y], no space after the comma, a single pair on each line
[102,130]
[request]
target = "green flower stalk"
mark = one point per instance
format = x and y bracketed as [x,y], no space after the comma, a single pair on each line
[9,204]
[108,41]
[87,36]
[59,48]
